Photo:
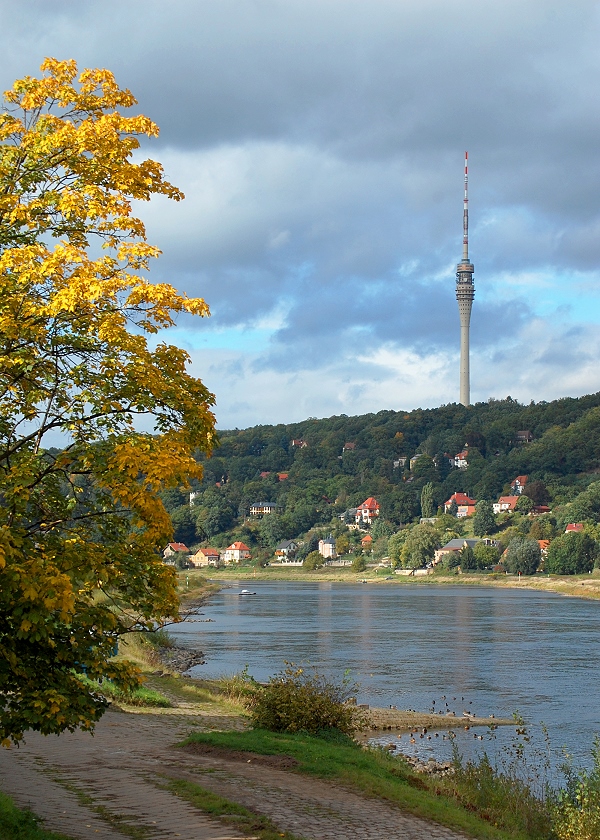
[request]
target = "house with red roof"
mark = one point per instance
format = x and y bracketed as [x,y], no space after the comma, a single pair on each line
[505,503]
[518,485]
[460,459]
[367,512]
[464,503]
[236,553]
[205,557]
[175,548]
[574,528]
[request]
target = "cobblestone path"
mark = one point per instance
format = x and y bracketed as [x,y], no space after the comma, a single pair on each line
[92,786]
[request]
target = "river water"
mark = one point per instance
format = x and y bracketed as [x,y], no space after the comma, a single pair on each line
[477,649]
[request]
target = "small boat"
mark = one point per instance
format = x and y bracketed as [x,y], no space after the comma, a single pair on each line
[247,592]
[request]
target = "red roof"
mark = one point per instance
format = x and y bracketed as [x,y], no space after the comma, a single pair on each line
[522,479]
[178,547]
[209,552]
[369,504]
[509,501]
[240,546]
[574,526]
[461,499]
[265,474]
[367,539]
[282,476]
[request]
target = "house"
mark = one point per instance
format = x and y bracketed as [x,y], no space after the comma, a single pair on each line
[367,542]
[262,508]
[367,512]
[299,443]
[452,547]
[400,462]
[175,548]
[414,460]
[236,553]
[538,510]
[574,528]
[286,550]
[327,548]
[505,503]
[523,436]
[348,447]
[205,557]
[282,476]
[465,505]
[460,459]
[518,485]
[265,473]
[543,544]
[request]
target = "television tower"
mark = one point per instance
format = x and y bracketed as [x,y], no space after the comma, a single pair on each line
[465,292]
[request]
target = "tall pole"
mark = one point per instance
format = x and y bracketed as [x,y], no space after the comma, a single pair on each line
[465,292]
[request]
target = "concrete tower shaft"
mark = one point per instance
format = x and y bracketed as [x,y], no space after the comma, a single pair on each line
[465,292]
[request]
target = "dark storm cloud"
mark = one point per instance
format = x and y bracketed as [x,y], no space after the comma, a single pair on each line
[320,146]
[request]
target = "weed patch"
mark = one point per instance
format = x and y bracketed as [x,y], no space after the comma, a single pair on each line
[17,824]
[245,821]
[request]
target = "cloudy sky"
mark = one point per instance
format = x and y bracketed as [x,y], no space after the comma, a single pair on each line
[320,145]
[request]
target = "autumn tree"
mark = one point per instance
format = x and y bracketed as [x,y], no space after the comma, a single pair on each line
[82,524]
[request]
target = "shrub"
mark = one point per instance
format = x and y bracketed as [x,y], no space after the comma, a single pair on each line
[313,561]
[297,700]
[577,807]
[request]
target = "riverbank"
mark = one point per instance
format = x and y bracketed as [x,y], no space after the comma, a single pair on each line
[575,586]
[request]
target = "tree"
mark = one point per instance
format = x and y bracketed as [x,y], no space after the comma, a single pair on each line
[571,554]
[468,560]
[313,561]
[453,508]
[427,504]
[522,556]
[82,525]
[484,521]
[342,545]
[419,546]
[359,564]
[524,504]
[485,555]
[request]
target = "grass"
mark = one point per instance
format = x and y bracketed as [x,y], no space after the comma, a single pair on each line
[17,824]
[119,822]
[245,821]
[371,772]
[141,696]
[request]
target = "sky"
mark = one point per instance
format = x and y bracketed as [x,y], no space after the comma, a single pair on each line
[320,145]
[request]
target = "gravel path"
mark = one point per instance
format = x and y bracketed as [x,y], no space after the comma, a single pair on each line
[94,786]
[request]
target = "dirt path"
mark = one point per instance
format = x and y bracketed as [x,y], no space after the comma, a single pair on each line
[106,786]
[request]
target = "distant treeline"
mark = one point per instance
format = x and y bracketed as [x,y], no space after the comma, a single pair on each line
[316,469]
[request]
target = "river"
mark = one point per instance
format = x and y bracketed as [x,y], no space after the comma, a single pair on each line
[477,649]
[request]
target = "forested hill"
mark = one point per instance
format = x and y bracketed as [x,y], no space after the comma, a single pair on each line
[336,463]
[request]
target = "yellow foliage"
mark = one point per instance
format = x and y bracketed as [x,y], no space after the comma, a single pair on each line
[84,520]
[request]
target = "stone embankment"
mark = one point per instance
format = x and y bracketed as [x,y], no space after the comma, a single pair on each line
[179,659]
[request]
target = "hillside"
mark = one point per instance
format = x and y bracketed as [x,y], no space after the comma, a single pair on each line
[316,469]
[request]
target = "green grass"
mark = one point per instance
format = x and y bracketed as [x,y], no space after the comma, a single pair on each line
[17,824]
[372,772]
[245,821]
[138,697]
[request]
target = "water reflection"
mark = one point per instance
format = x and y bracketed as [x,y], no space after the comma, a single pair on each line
[502,650]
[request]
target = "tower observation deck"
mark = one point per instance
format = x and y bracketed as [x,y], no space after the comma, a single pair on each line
[465,292]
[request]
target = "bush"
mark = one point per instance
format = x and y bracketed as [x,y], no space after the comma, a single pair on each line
[359,564]
[313,561]
[297,700]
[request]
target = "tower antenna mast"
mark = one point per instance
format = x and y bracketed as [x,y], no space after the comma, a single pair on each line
[465,292]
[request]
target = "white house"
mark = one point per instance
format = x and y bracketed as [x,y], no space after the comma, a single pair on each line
[235,553]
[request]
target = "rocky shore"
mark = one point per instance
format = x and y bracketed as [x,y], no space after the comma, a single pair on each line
[179,659]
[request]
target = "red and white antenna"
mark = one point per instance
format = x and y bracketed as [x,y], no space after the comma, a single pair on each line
[465,255]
